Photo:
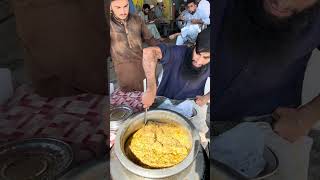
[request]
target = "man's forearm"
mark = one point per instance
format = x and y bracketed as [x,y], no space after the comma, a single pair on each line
[197,21]
[311,111]
[149,65]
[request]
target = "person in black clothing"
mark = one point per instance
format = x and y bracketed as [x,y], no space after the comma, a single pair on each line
[262,48]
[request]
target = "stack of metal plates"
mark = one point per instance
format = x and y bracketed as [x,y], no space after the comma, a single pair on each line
[118,114]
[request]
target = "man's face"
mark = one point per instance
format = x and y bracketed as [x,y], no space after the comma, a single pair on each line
[286,8]
[200,59]
[120,8]
[146,10]
[192,7]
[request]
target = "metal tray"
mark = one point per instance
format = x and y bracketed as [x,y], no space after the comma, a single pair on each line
[35,158]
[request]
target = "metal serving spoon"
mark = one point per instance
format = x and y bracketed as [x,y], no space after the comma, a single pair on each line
[146,109]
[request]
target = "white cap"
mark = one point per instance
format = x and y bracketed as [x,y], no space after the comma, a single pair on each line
[151,6]
[159,1]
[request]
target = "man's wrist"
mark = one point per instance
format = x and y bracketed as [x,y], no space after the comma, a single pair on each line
[198,21]
[152,91]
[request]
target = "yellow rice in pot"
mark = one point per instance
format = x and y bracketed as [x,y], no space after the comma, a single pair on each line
[159,145]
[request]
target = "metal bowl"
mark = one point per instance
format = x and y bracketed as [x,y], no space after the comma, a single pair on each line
[271,166]
[137,122]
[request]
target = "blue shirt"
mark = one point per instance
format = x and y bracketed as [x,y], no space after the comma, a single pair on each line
[173,85]
[197,15]
[243,85]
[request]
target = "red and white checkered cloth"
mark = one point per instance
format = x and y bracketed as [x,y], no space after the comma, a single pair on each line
[77,120]
[131,99]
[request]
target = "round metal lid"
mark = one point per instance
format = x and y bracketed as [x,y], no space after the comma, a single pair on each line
[36,158]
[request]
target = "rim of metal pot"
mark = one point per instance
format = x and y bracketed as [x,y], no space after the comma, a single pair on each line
[157,173]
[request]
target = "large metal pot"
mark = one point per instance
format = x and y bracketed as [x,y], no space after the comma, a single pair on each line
[137,122]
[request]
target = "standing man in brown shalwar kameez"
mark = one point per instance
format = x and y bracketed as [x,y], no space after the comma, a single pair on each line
[127,32]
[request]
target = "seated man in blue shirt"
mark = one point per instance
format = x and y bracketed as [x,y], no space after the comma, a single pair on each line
[193,21]
[185,73]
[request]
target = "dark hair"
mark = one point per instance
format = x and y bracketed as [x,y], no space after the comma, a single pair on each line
[203,41]
[146,6]
[191,1]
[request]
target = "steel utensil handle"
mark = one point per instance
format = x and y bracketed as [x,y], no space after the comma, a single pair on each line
[145,116]
[146,109]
